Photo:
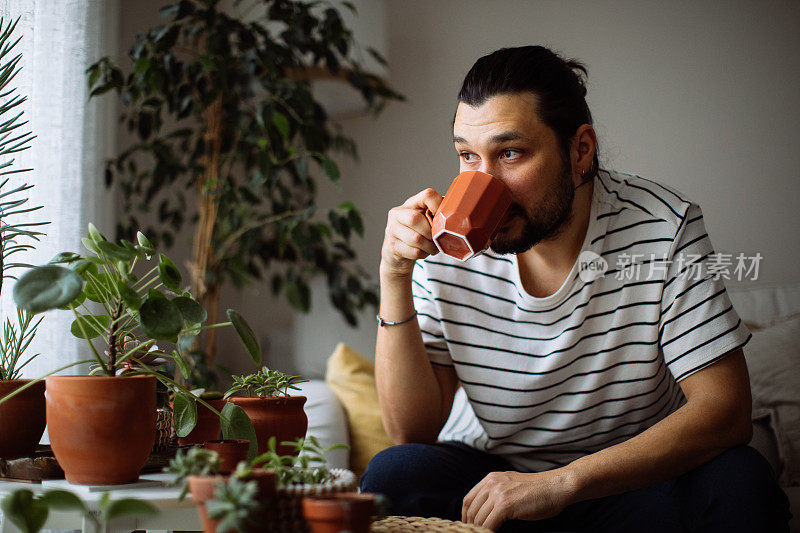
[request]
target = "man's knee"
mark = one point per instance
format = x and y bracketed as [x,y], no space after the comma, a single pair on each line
[737,487]
[395,467]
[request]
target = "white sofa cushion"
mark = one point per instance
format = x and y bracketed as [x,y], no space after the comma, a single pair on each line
[326,420]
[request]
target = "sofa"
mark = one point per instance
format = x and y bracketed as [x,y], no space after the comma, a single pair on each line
[343,408]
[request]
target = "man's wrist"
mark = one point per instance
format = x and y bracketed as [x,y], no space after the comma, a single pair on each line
[572,482]
[390,276]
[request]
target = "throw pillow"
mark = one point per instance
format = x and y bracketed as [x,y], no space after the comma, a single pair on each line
[773,359]
[351,376]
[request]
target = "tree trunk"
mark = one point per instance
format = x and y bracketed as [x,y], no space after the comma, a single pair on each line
[203,258]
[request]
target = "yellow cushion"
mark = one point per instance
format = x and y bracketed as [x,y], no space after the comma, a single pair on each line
[352,378]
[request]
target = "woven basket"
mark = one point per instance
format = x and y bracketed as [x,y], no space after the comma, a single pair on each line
[287,508]
[164,429]
[416,524]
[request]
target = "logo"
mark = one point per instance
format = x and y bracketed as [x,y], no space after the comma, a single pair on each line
[591,266]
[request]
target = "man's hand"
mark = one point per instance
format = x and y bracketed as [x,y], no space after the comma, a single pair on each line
[502,496]
[408,234]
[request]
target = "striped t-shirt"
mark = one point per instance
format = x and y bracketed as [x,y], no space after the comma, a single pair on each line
[551,379]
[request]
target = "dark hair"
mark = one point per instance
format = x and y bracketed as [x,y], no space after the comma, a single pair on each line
[557,83]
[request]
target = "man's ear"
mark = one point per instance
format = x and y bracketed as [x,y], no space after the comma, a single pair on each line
[584,146]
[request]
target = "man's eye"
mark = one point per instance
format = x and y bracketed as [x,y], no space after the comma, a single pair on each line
[511,154]
[467,157]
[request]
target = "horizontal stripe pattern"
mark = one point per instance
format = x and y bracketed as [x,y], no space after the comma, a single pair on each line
[547,380]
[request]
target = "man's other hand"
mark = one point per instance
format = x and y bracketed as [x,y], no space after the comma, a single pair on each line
[502,496]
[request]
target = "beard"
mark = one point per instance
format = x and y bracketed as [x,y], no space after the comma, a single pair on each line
[539,223]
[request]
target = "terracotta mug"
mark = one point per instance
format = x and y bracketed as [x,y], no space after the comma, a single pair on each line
[471,212]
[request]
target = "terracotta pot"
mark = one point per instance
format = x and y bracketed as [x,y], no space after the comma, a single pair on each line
[202,490]
[345,511]
[21,418]
[208,424]
[230,452]
[101,428]
[283,418]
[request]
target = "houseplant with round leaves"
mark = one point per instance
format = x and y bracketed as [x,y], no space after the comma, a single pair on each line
[272,409]
[29,512]
[119,309]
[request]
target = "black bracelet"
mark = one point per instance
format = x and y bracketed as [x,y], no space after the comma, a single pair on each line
[382,322]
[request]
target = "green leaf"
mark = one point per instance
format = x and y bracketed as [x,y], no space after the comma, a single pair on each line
[160,318]
[184,410]
[192,311]
[129,506]
[90,326]
[141,64]
[100,287]
[145,245]
[94,75]
[25,512]
[46,287]
[85,267]
[74,304]
[63,500]
[95,234]
[331,169]
[302,167]
[356,222]
[299,295]
[90,245]
[182,365]
[65,257]
[281,123]
[246,335]
[129,296]
[168,273]
[237,425]
[115,252]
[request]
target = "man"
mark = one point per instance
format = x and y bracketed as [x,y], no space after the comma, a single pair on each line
[614,401]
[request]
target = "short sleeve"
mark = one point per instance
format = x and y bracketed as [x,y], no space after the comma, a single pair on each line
[428,317]
[698,324]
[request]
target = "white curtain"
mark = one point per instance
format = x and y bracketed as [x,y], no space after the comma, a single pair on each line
[74,136]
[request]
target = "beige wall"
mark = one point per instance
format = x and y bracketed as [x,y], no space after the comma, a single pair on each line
[702,96]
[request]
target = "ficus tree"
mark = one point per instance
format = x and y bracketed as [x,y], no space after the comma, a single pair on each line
[220,106]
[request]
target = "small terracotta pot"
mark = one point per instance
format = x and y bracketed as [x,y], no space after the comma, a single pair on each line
[101,428]
[208,424]
[283,418]
[344,511]
[202,490]
[230,452]
[22,418]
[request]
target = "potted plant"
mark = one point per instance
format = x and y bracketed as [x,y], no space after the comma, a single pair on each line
[29,512]
[220,98]
[209,425]
[221,499]
[23,420]
[301,474]
[230,451]
[342,511]
[102,427]
[273,411]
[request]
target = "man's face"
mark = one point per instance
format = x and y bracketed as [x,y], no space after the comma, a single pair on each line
[504,137]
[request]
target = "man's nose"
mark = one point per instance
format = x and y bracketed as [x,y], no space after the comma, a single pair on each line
[490,168]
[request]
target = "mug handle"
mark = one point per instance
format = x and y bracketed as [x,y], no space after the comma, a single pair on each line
[429,216]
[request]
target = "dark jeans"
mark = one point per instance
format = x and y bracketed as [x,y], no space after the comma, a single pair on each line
[733,492]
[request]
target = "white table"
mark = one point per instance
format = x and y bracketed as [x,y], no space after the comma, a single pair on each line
[174,514]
